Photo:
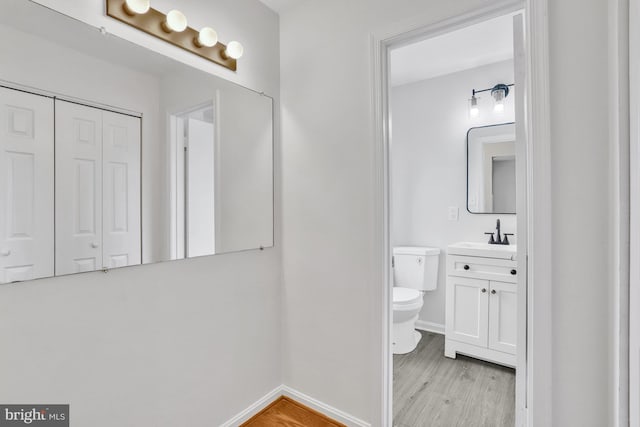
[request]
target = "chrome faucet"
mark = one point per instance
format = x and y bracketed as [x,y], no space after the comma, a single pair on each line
[498,239]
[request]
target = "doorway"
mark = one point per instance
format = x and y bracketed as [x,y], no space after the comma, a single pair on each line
[472,312]
[193,164]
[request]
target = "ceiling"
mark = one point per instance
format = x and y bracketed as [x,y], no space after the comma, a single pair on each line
[480,44]
[279,5]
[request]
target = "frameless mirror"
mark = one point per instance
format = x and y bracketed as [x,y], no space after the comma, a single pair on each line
[113,155]
[491,169]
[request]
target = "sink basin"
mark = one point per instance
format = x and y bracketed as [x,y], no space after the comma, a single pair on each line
[483,250]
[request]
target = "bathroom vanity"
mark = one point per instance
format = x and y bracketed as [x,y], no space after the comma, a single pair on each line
[481,302]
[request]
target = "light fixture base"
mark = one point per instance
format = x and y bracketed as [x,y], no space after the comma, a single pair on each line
[500,86]
[152,23]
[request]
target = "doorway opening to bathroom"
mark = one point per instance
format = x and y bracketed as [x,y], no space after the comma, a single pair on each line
[456,192]
[193,157]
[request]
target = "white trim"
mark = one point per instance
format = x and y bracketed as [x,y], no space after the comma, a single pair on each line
[619,180]
[539,263]
[436,328]
[634,279]
[62,97]
[254,408]
[323,408]
[283,390]
[539,303]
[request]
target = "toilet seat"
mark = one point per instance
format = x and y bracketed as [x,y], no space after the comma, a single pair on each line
[405,296]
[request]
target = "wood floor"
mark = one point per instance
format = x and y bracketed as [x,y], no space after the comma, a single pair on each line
[430,390]
[286,412]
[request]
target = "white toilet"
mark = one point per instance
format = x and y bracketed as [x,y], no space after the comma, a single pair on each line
[415,270]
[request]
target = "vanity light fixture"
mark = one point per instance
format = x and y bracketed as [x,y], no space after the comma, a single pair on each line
[206,37]
[175,21]
[136,7]
[234,50]
[474,111]
[499,92]
[173,28]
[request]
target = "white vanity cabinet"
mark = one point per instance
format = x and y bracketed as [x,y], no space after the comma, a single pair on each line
[481,304]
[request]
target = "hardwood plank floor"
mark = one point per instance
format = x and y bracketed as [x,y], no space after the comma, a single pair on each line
[286,412]
[430,390]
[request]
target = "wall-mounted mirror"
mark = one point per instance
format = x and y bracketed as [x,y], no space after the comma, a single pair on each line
[112,155]
[491,169]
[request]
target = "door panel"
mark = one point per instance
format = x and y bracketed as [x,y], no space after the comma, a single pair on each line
[200,189]
[121,190]
[467,314]
[78,188]
[26,181]
[503,307]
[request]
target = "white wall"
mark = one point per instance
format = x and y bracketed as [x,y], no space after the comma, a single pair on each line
[331,321]
[429,165]
[183,343]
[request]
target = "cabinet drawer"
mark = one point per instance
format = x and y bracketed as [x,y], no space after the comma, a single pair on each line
[482,268]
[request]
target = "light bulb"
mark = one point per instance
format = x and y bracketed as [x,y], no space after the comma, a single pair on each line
[136,7]
[499,93]
[176,21]
[474,111]
[207,37]
[234,50]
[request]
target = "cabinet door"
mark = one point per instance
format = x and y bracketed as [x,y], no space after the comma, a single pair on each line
[26,186]
[467,310]
[78,188]
[503,317]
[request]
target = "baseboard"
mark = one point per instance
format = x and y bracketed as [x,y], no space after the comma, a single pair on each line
[436,328]
[309,401]
[323,408]
[256,407]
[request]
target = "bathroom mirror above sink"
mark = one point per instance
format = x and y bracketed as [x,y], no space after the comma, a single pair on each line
[491,169]
[113,155]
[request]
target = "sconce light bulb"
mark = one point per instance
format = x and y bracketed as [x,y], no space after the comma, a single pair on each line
[176,21]
[234,50]
[207,37]
[474,111]
[499,93]
[137,7]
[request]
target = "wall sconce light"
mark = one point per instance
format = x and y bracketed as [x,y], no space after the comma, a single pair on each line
[474,111]
[173,28]
[499,92]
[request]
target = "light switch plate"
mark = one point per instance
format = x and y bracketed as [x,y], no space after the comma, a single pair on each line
[453,213]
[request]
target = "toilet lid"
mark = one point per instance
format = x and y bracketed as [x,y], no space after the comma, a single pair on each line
[405,295]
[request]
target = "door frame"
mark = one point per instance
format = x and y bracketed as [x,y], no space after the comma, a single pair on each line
[628,358]
[533,385]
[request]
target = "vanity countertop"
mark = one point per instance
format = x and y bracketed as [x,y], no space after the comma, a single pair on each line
[483,250]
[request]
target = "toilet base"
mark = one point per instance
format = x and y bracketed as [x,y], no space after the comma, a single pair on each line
[404,337]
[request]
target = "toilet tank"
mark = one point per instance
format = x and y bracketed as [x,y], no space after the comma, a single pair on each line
[416,267]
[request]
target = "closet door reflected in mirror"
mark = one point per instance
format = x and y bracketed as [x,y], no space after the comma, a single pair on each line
[97,189]
[26,186]
[154,160]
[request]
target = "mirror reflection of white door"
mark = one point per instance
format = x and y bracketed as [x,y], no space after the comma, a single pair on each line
[97,189]
[121,190]
[26,183]
[200,189]
[78,188]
